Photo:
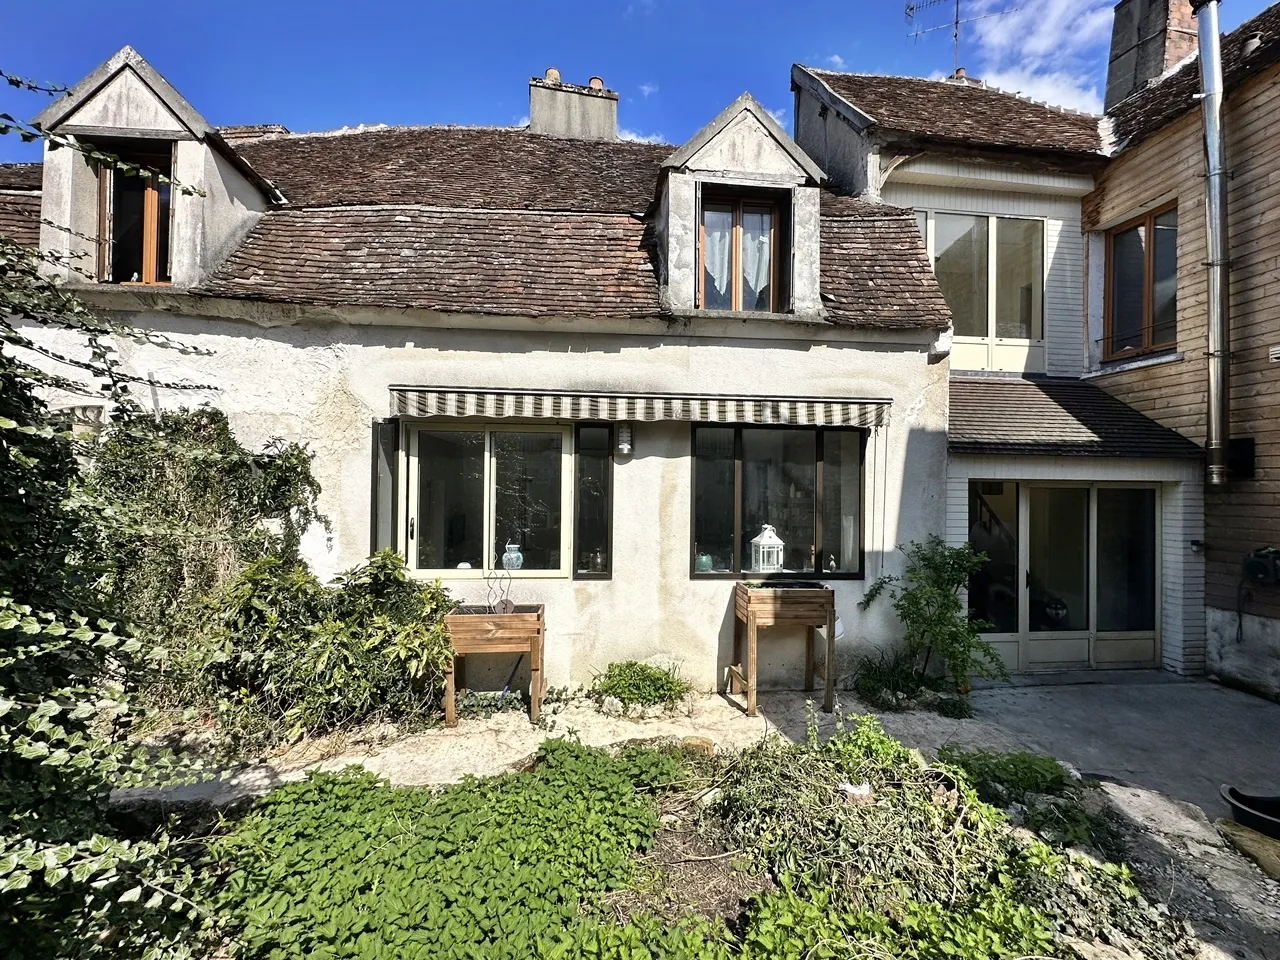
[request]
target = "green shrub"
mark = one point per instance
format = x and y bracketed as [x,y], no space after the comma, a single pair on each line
[927,601]
[285,655]
[639,684]
[183,508]
[341,865]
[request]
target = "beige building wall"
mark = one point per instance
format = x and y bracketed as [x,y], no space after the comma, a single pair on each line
[323,384]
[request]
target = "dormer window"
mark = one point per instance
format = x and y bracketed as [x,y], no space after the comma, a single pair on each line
[739,254]
[133,215]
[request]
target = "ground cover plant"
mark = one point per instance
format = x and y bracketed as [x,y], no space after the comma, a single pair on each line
[1039,791]
[865,849]
[636,684]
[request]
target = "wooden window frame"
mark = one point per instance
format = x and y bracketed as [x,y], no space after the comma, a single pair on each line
[1148,222]
[150,221]
[607,574]
[736,205]
[819,545]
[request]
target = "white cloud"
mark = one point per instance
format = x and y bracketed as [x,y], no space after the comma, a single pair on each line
[523,121]
[1048,50]
[836,61]
[625,134]
[647,88]
[781,116]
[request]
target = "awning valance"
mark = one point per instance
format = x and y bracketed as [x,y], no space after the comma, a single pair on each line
[409,401]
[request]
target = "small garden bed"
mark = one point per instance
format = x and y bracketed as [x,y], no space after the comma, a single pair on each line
[849,848]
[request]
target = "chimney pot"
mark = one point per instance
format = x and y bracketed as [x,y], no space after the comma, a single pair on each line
[959,74]
[570,110]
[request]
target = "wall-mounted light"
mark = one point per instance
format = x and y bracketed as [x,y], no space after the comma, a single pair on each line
[624,439]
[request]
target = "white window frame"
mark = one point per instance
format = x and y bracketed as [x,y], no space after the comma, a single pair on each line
[1014,354]
[492,564]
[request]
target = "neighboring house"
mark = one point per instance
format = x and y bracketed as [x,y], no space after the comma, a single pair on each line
[1147,303]
[1089,511]
[615,360]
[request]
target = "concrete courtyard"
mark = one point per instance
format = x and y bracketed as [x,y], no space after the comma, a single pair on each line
[1183,738]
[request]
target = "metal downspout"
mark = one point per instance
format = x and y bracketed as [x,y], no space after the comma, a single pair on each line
[1219,340]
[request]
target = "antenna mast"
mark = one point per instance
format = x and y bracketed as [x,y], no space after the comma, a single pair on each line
[915,7]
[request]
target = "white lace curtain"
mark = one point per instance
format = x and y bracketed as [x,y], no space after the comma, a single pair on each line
[755,259]
[716,258]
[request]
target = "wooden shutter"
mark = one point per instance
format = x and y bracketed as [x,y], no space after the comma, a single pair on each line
[384,493]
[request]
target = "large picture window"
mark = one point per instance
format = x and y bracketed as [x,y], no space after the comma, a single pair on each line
[1141,312]
[804,483]
[490,498]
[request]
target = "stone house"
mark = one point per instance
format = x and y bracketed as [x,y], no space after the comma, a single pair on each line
[540,362]
[622,359]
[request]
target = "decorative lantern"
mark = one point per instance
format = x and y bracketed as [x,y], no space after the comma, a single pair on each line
[766,551]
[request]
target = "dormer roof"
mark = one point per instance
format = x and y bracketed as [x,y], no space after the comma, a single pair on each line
[745,108]
[126,65]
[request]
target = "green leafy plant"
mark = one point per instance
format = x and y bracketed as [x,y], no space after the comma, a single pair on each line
[343,865]
[285,655]
[640,684]
[927,600]
[1055,802]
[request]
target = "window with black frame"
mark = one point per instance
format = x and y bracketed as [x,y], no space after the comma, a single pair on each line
[802,486]
[593,502]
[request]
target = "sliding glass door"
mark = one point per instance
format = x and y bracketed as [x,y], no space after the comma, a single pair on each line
[1071,578]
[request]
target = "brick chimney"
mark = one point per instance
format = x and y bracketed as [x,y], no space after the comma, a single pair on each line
[1147,38]
[560,109]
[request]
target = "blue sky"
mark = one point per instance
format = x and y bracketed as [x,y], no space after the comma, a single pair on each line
[322,64]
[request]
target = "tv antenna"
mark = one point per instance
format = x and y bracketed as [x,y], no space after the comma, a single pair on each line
[915,7]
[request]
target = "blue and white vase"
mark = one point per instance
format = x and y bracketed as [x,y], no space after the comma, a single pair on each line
[512,558]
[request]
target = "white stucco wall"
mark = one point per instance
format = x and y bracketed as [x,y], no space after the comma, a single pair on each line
[322,384]
[849,158]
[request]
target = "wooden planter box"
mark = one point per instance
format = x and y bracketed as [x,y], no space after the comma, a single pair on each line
[481,630]
[757,605]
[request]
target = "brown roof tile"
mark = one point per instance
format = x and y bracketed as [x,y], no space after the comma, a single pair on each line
[20,218]
[532,264]
[964,113]
[1043,417]
[21,176]
[1147,111]
[495,167]
[546,263]
[875,272]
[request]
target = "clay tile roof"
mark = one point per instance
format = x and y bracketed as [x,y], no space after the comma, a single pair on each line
[1164,101]
[970,114]
[525,263]
[875,272]
[21,176]
[20,218]
[495,167]
[998,415]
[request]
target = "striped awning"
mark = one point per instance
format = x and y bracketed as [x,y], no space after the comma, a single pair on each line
[409,401]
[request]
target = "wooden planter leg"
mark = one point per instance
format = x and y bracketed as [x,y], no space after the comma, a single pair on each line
[829,668]
[810,637]
[450,704]
[751,664]
[535,678]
